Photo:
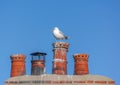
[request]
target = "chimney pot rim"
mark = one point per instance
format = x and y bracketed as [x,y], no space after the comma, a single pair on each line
[17,55]
[80,54]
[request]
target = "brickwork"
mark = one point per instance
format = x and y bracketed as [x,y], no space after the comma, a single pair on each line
[60,60]
[18,65]
[59,77]
[37,67]
[38,63]
[81,64]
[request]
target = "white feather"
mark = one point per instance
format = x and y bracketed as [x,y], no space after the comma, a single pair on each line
[59,34]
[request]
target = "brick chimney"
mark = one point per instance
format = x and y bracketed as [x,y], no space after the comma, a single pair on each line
[81,64]
[60,61]
[18,65]
[38,63]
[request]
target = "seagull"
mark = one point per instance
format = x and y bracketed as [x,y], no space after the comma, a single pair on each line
[58,34]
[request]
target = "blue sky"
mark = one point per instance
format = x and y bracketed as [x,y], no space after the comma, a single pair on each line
[93,26]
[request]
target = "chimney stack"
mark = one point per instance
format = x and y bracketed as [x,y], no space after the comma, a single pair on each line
[38,63]
[60,61]
[18,65]
[81,64]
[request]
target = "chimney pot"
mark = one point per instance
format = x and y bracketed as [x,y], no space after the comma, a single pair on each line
[38,63]
[18,65]
[60,60]
[81,64]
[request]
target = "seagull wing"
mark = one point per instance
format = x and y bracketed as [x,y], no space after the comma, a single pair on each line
[61,32]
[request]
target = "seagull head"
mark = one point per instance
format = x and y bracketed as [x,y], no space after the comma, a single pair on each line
[56,28]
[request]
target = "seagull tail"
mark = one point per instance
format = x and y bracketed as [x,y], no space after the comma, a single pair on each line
[66,37]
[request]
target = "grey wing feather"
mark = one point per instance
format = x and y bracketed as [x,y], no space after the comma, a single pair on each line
[61,32]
